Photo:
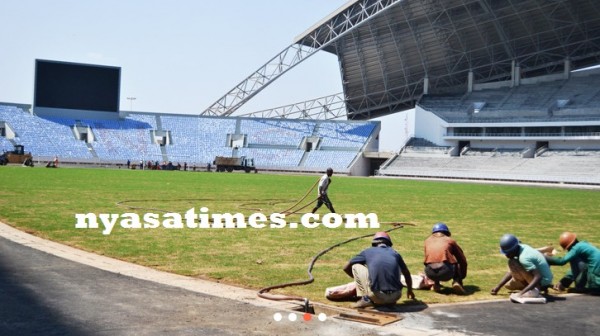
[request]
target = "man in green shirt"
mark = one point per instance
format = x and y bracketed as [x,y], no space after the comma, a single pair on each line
[528,268]
[584,259]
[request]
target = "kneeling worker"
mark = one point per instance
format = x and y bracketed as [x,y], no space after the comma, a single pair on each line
[444,259]
[376,271]
[584,259]
[529,271]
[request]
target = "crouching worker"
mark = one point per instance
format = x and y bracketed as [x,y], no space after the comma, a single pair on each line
[529,272]
[444,259]
[584,259]
[376,272]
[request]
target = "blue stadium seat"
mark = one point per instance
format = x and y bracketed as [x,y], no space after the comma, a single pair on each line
[195,140]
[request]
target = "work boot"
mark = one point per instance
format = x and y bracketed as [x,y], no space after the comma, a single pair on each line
[436,287]
[458,289]
[363,303]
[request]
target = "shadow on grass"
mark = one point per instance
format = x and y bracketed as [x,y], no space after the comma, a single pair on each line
[469,290]
[346,299]
[413,305]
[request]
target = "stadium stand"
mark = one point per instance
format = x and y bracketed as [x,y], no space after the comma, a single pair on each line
[344,135]
[144,118]
[195,139]
[184,142]
[546,129]
[566,169]
[421,147]
[42,137]
[272,143]
[5,145]
[497,164]
[525,103]
[275,144]
[338,160]
[121,140]
[276,132]
[273,157]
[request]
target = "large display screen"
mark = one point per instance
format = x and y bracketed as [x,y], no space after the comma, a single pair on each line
[76,86]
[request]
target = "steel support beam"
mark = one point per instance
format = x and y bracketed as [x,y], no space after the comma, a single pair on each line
[324,108]
[322,36]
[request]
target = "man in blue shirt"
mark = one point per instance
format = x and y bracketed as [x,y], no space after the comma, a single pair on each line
[376,272]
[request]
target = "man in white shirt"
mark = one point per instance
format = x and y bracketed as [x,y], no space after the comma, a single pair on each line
[324,183]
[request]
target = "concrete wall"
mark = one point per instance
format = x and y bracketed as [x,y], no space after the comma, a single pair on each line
[430,127]
[360,167]
[573,144]
[373,144]
[508,144]
[77,114]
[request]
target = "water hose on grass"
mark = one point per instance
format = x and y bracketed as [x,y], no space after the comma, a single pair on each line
[289,211]
[264,292]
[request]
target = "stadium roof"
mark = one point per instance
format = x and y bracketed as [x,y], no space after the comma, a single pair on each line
[389,50]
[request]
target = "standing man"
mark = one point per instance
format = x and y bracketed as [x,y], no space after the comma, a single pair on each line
[528,272]
[444,259]
[324,183]
[376,272]
[584,259]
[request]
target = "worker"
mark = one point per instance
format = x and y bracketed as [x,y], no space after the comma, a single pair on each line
[444,259]
[376,271]
[529,272]
[584,259]
[324,183]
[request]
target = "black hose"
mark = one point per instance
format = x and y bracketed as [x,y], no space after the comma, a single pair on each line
[263,293]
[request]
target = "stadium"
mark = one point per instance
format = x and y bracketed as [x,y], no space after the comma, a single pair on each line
[489,98]
[490,91]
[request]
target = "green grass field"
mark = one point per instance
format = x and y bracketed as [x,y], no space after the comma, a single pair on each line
[44,202]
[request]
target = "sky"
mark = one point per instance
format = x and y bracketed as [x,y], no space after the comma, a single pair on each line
[177,56]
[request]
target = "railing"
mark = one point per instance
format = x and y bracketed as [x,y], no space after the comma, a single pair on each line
[513,118]
[528,134]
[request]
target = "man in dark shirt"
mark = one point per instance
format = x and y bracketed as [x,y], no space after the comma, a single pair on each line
[376,272]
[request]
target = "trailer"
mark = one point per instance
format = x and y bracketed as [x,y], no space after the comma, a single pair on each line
[230,164]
